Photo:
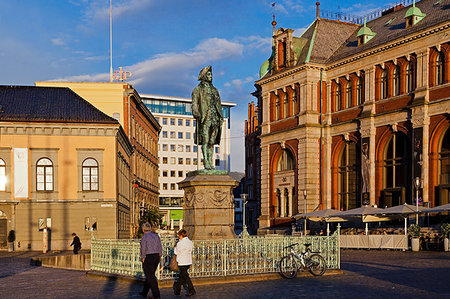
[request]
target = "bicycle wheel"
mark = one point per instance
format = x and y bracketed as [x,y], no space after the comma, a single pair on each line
[288,267]
[317,265]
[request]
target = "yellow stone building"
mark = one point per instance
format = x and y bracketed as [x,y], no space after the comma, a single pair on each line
[64,165]
[122,102]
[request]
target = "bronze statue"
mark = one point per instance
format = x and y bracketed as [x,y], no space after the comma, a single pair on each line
[207,110]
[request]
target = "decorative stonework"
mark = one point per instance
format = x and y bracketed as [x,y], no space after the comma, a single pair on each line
[209,206]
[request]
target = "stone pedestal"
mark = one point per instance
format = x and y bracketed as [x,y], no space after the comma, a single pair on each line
[208,206]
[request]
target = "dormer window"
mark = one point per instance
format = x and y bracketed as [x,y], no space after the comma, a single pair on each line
[281,53]
[414,15]
[365,34]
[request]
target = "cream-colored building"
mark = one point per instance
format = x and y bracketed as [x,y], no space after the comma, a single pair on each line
[64,165]
[123,103]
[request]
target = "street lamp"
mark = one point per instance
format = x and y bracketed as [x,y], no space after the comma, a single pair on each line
[417,183]
[244,202]
[304,199]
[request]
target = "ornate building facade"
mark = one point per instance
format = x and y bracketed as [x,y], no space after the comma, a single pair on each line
[354,115]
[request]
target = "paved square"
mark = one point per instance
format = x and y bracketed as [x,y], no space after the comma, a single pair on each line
[367,274]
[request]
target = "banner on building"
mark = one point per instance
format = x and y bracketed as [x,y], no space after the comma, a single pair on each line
[20,172]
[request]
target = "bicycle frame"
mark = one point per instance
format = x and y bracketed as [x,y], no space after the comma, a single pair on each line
[301,256]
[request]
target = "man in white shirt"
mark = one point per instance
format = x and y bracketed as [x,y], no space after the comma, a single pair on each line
[183,250]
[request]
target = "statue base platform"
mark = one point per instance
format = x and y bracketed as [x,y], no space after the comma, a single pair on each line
[206,172]
[208,205]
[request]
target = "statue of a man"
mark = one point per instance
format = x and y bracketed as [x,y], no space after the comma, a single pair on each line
[207,110]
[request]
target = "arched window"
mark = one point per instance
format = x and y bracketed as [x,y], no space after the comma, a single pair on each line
[384,85]
[348,95]
[396,83]
[444,170]
[44,175]
[2,175]
[348,178]
[294,102]
[286,161]
[396,170]
[440,68]
[90,175]
[285,105]
[409,78]
[277,108]
[359,91]
[338,97]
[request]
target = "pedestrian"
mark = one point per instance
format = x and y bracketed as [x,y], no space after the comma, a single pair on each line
[151,251]
[183,250]
[75,243]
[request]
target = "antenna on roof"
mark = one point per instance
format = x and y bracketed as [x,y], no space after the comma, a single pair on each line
[110,42]
[317,12]
[274,23]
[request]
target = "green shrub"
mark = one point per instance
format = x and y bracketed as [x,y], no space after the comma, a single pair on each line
[414,231]
[153,217]
[445,229]
[11,236]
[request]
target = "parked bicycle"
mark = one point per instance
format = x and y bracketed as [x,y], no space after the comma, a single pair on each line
[313,262]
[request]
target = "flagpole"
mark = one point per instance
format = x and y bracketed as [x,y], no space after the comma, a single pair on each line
[110,42]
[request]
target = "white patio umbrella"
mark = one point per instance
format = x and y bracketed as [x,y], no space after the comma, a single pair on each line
[319,215]
[402,210]
[438,209]
[360,212]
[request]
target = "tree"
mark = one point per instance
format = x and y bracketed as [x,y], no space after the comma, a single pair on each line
[153,217]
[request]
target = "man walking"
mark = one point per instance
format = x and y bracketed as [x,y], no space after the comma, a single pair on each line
[75,243]
[151,251]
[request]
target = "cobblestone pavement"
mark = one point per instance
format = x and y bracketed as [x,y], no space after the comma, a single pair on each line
[367,274]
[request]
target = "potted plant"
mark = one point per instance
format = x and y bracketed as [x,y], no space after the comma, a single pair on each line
[414,233]
[11,239]
[445,230]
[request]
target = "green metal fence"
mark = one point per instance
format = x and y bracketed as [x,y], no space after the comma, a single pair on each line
[249,255]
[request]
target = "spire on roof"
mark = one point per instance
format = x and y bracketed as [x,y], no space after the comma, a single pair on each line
[317,11]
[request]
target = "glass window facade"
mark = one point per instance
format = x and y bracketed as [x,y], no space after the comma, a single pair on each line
[171,107]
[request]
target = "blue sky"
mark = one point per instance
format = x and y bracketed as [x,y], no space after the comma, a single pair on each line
[164,43]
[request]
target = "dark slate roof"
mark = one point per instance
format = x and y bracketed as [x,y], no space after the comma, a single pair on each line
[435,14]
[330,35]
[51,104]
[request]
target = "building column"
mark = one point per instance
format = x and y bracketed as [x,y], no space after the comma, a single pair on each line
[421,93]
[264,219]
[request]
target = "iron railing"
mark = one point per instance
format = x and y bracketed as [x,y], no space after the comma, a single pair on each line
[249,255]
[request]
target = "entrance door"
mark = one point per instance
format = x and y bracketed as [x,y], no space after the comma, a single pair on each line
[3,242]
[392,197]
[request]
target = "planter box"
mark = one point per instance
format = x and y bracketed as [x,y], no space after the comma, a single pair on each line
[415,244]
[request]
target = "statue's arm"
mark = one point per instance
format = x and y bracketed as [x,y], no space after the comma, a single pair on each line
[218,103]
[195,100]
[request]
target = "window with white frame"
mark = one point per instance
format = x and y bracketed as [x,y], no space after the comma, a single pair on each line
[44,175]
[90,175]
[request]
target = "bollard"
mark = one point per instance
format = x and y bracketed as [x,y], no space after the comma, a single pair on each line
[45,240]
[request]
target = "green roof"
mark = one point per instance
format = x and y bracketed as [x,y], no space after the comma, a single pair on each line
[365,31]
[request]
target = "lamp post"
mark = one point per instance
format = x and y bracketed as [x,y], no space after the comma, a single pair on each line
[304,199]
[417,183]
[244,202]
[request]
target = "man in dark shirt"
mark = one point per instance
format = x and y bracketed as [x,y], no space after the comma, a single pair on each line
[151,251]
[76,243]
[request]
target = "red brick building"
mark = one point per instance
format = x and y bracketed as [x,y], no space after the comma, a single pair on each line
[352,114]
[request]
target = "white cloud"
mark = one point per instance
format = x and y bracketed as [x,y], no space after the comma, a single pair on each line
[173,71]
[299,31]
[98,10]
[238,84]
[58,41]
[96,58]
[256,42]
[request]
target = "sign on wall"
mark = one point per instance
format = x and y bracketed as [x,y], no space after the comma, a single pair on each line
[20,172]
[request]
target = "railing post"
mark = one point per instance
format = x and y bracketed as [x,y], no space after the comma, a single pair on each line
[110,257]
[224,259]
[339,245]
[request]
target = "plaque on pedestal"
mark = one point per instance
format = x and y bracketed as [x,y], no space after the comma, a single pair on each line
[208,206]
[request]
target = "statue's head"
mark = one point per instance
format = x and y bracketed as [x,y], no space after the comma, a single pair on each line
[205,74]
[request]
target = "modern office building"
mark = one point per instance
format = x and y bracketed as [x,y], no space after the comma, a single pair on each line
[64,166]
[122,102]
[356,114]
[178,153]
